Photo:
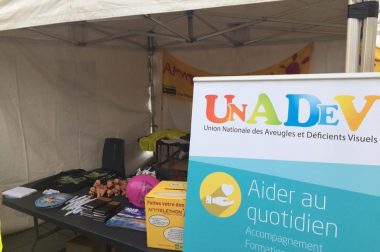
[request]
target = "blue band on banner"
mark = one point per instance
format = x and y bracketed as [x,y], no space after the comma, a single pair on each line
[270,213]
[348,177]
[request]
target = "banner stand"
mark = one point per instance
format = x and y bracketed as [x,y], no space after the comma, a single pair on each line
[284,163]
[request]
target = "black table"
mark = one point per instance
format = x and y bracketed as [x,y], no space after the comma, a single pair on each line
[128,239]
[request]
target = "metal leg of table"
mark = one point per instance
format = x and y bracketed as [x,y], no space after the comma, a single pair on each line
[37,233]
[108,248]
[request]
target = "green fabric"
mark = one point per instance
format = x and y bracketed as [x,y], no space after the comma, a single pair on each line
[148,143]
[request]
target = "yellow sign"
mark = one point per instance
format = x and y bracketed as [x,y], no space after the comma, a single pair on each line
[177,79]
[165,213]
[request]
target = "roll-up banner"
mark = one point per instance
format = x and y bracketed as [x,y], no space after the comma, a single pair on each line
[285,164]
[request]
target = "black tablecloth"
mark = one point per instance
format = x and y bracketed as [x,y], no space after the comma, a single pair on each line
[128,239]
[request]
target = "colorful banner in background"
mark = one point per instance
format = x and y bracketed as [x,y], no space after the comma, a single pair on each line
[377,60]
[284,165]
[177,79]
[298,63]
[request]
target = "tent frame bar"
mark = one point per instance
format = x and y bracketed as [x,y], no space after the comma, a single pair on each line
[307,29]
[190,25]
[111,37]
[199,15]
[265,37]
[55,36]
[158,35]
[289,21]
[276,18]
[205,22]
[281,14]
[181,15]
[230,29]
[166,27]
[364,25]
[106,32]
[295,30]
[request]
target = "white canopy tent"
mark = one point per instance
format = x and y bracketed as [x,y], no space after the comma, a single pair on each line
[132,19]
[19,14]
[74,73]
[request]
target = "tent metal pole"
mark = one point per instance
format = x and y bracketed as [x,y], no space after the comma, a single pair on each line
[368,44]
[302,30]
[158,35]
[289,21]
[204,21]
[155,25]
[306,29]
[166,27]
[353,42]
[133,33]
[234,28]
[111,37]
[82,32]
[55,36]
[264,19]
[278,34]
[190,25]
[106,32]
[281,14]
[264,43]
[152,97]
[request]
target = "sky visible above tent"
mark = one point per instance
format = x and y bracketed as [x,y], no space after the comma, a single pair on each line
[241,25]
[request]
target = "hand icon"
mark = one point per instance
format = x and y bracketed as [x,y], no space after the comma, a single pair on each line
[219,201]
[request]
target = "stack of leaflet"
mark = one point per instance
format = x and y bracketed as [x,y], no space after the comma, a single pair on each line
[103,213]
[18,192]
[100,209]
[133,218]
[88,209]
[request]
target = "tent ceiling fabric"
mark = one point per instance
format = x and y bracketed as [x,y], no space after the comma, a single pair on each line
[239,25]
[20,13]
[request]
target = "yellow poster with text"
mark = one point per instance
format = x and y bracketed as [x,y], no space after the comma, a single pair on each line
[177,80]
[377,60]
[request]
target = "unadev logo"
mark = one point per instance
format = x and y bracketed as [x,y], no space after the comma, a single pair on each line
[319,114]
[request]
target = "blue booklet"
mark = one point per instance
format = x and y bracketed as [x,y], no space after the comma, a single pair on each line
[131,212]
[127,223]
[133,218]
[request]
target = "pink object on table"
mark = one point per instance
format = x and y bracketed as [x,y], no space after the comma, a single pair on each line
[138,187]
